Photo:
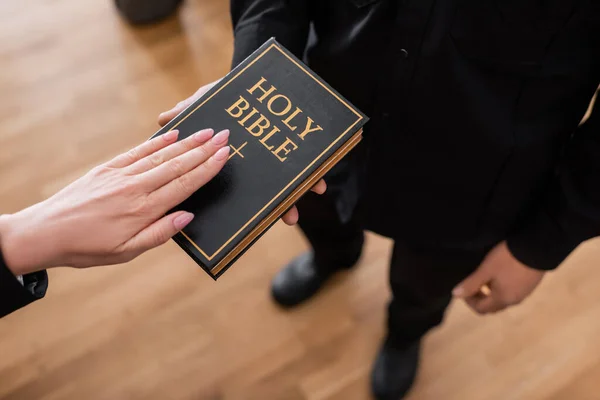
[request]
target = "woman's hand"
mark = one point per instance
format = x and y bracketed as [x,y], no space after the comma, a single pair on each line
[117,210]
[290,217]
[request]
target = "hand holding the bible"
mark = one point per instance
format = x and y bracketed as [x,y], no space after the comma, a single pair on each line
[117,210]
[506,280]
[290,217]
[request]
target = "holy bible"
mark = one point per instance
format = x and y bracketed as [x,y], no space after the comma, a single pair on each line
[287,129]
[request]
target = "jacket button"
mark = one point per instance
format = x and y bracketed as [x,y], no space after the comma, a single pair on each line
[403,53]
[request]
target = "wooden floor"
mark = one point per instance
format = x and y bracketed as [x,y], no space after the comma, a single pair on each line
[77,86]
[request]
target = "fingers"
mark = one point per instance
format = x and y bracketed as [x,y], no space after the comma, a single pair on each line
[170,152]
[159,232]
[167,116]
[184,163]
[475,290]
[291,216]
[143,150]
[473,283]
[485,304]
[182,187]
[482,304]
[320,187]
[486,299]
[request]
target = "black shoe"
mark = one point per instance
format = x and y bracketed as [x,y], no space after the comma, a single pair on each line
[395,370]
[143,12]
[300,280]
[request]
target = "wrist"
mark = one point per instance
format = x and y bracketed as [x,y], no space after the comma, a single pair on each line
[22,248]
[9,247]
[6,247]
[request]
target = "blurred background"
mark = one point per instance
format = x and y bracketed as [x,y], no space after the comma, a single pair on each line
[78,84]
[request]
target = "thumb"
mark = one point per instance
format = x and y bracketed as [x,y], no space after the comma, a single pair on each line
[160,232]
[167,116]
[472,284]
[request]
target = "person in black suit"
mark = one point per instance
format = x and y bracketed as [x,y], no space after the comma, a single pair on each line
[474,161]
[112,214]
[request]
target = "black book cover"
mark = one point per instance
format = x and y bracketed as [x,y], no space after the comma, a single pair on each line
[286,124]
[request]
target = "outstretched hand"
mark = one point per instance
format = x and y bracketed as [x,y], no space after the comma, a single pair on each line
[117,210]
[290,217]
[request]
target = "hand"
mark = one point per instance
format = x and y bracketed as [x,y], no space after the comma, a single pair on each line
[117,210]
[499,282]
[290,217]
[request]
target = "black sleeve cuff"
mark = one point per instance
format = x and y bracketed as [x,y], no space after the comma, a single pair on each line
[541,243]
[13,295]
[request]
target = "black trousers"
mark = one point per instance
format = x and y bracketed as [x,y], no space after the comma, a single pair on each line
[421,277]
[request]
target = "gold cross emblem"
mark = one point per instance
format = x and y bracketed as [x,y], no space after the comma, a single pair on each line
[237,151]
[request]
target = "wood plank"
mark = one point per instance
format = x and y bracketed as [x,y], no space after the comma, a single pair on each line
[78,86]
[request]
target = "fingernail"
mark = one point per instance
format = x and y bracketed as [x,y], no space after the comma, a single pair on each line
[182,220]
[458,291]
[203,135]
[171,135]
[221,137]
[222,154]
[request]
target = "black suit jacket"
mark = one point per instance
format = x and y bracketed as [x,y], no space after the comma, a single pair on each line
[475,108]
[14,295]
